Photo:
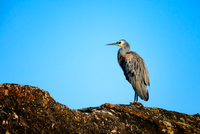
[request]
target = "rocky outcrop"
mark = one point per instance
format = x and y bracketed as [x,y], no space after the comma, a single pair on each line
[27,109]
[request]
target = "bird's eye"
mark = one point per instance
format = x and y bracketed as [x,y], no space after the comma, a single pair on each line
[119,42]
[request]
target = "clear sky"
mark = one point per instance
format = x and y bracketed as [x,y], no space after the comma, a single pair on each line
[59,46]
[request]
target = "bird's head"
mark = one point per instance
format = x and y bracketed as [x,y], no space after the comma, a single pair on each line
[121,43]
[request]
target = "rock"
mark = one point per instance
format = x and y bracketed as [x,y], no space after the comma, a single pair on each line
[27,109]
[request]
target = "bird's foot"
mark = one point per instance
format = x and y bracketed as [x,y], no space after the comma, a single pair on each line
[136,103]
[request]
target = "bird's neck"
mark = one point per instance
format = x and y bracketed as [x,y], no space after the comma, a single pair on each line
[123,51]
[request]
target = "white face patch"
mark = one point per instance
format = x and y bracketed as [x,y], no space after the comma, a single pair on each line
[120,43]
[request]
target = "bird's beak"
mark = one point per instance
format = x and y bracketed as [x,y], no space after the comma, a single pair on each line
[117,44]
[112,44]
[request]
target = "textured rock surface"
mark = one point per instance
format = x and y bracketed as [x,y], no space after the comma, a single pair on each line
[27,109]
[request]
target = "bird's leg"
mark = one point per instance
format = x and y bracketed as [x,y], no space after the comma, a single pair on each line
[136,96]
[135,99]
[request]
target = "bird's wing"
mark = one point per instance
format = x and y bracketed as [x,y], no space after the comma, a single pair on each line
[137,74]
[135,70]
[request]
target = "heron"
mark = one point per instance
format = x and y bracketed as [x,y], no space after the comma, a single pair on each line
[134,69]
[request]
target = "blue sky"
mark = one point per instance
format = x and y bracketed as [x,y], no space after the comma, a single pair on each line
[59,46]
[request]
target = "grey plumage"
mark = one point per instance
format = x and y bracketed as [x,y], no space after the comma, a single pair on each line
[134,70]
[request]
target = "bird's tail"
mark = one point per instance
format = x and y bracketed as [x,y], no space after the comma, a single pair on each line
[143,93]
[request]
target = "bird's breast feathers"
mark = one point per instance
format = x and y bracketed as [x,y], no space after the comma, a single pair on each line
[128,57]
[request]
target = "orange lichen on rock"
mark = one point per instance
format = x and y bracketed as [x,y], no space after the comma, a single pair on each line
[136,113]
[110,105]
[162,126]
[20,95]
[19,100]
[106,104]
[10,88]
[31,96]
[20,90]
[117,108]
[45,102]
[126,110]
[16,92]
